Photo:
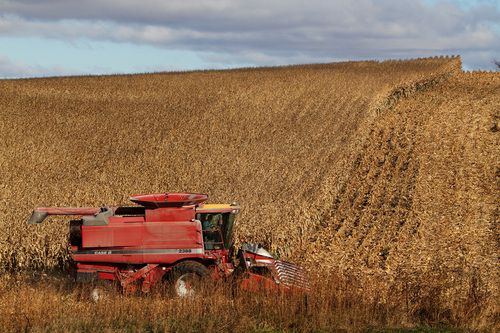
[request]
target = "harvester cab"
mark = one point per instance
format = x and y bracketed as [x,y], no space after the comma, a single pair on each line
[218,228]
[168,237]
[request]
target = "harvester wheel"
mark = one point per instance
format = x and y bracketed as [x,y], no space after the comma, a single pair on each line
[188,277]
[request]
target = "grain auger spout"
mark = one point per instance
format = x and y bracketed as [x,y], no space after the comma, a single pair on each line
[39,214]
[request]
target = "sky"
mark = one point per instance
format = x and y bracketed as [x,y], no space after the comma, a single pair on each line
[80,37]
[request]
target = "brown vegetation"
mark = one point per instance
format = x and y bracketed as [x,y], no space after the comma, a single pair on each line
[49,303]
[382,176]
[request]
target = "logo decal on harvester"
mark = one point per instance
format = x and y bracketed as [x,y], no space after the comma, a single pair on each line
[102,252]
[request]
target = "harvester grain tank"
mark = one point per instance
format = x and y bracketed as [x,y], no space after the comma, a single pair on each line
[173,237]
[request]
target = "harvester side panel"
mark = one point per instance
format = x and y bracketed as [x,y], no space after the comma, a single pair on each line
[117,234]
[141,242]
[173,235]
[165,214]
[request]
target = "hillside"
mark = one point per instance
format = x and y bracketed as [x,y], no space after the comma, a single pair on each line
[382,171]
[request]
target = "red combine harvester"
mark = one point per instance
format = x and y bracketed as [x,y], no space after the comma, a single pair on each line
[172,237]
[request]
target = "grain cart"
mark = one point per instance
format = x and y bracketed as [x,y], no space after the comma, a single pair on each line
[174,237]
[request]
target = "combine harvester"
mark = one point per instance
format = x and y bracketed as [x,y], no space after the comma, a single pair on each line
[169,237]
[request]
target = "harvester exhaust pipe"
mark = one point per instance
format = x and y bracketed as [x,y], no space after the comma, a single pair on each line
[39,214]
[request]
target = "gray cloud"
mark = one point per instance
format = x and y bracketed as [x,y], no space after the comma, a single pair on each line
[10,69]
[15,69]
[270,32]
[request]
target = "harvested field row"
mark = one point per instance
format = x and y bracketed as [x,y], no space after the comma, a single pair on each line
[420,204]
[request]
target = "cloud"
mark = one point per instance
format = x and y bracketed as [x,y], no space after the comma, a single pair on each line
[14,69]
[269,32]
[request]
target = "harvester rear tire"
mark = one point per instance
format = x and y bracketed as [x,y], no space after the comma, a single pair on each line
[188,277]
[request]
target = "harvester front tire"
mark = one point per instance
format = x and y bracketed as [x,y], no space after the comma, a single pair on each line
[188,278]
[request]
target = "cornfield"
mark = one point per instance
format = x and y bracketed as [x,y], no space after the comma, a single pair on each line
[384,174]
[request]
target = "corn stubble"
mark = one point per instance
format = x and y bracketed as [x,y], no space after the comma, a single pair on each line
[380,178]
